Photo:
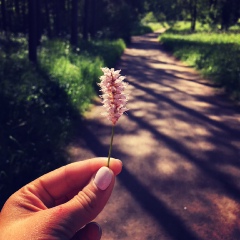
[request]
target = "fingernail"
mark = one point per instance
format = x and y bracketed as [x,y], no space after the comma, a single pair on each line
[99,229]
[93,231]
[120,161]
[103,178]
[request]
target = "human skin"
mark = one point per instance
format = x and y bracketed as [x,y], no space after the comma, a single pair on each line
[60,204]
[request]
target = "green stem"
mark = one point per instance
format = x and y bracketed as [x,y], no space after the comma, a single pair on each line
[110,148]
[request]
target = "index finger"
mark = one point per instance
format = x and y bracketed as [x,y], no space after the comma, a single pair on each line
[73,177]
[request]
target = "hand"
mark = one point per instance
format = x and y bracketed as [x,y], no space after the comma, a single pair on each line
[60,205]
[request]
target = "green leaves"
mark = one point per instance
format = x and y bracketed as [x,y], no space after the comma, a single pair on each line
[41,104]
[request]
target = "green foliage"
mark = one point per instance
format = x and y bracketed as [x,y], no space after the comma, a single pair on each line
[184,27]
[216,54]
[40,104]
[149,18]
[140,29]
[75,73]
[158,26]
[148,24]
[108,51]
[35,119]
[224,13]
[117,20]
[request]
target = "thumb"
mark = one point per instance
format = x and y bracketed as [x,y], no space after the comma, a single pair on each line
[87,204]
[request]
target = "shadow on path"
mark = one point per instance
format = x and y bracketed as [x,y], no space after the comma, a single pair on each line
[172,224]
[180,146]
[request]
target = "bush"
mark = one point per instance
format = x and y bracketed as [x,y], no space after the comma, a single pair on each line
[74,72]
[108,51]
[40,104]
[148,24]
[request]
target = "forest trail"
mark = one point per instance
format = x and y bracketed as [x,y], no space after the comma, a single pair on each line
[180,147]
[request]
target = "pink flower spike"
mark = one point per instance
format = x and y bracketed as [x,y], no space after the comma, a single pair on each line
[114,98]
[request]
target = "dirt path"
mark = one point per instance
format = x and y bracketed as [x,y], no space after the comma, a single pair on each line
[180,146]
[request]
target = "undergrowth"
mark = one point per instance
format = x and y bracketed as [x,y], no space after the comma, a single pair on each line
[41,104]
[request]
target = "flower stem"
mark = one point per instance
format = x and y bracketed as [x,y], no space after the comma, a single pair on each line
[110,148]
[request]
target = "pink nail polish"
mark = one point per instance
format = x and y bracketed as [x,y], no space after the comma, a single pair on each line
[103,178]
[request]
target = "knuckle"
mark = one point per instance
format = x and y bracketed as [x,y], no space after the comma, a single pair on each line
[88,200]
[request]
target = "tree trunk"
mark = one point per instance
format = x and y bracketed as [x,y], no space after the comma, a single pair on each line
[227,14]
[86,20]
[4,15]
[47,19]
[33,31]
[17,8]
[57,19]
[74,23]
[93,18]
[24,16]
[39,22]
[17,16]
[193,10]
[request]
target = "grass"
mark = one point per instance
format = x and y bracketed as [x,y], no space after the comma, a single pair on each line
[75,73]
[148,24]
[216,54]
[41,104]
[148,27]
[108,51]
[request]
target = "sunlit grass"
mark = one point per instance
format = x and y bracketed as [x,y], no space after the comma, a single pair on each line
[73,72]
[149,24]
[158,25]
[143,28]
[184,26]
[108,51]
[215,53]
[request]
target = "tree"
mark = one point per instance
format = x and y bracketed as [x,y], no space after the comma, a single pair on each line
[47,21]
[229,13]
[33,30]
[74,23]
[24,15]
[85,21]
[4,20]
[193,13]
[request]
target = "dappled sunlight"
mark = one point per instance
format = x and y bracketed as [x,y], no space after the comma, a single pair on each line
[201,131]
[229,168]
[201,104]
[225,209]
[128,217]
[141,113]
[141,143]
[205,146]
[141,106]
[215,117]
[167,168]
[180,150]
